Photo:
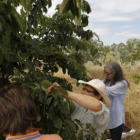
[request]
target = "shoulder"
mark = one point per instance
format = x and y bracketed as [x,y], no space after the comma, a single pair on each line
[51,137]
[104,110]
[122,83]
[102,117]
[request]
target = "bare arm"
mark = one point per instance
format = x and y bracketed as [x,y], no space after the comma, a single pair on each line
[85,101]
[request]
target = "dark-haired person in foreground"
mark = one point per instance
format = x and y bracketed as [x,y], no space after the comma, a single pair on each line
[18,116]
[91,106]
[117,87]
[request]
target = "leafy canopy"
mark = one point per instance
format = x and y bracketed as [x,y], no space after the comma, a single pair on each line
[33,47]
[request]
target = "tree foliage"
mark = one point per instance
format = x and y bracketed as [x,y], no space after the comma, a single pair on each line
[75,7]
[128,53]
[33,47]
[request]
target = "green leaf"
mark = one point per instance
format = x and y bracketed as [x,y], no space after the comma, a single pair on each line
[63,107]
[55,103]
[43,88]
[71,106]
[6,40]
[79,123]
[1,28]
[2,19]
[71,126]
[39,4]
[54,95]
[4,47]
[41,98]
[48,100]
[1,57]
[19,22]
[46,82]
[62,90]
[37,86]
[49,3]
[14,23]
[63,6]
[57,122]
[79,135]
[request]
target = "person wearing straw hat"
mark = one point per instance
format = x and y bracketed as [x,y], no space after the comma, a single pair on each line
[91,106]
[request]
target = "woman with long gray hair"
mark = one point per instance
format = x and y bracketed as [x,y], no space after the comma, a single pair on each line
[117,87]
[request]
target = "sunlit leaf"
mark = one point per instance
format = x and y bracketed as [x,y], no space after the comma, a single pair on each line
[46,82]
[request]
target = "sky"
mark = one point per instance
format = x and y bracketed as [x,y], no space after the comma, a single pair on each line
[114,21]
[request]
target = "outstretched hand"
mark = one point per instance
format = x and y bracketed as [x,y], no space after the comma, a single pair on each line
[55,87]
[52,87]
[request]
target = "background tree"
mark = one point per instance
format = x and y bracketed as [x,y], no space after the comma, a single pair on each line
[127,53]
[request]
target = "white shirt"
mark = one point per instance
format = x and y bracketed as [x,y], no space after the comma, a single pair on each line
[98,120]
[117,94]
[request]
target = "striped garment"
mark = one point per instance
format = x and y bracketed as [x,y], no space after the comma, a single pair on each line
[35,136]
[30,136]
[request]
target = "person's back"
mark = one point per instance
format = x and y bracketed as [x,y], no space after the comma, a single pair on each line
[34,136]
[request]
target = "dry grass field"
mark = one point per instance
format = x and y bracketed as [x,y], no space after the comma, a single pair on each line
[132,100]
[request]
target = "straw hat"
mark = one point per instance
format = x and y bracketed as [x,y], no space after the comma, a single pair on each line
[100,87]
